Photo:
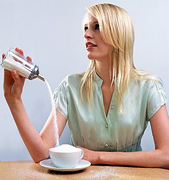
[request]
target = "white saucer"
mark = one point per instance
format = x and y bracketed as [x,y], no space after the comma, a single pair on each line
[49,165]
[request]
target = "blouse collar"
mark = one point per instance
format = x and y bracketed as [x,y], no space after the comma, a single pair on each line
[98,79]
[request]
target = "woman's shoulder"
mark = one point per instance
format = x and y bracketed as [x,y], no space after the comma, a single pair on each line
[147,82]
[72,80]
[147,78]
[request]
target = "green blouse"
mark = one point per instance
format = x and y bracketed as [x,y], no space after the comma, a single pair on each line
[92,129]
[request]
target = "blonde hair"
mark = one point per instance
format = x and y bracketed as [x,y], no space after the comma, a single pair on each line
[116,29]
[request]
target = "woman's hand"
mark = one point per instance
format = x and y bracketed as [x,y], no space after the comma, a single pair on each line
[89,155]
[13,83]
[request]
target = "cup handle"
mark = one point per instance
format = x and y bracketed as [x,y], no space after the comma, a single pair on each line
[82,154]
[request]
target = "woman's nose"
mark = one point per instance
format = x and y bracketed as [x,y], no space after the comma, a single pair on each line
[88,34]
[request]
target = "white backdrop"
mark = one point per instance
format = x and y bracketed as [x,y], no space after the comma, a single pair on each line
[50,32]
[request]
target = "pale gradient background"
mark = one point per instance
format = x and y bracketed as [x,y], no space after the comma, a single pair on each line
[50,32]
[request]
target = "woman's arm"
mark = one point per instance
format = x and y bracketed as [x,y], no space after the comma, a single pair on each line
[155,158]
[37,145]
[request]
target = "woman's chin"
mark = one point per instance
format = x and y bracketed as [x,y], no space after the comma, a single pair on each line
[90,56]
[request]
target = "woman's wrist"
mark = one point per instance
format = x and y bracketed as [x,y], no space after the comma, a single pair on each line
[106,158]
[98,157]
[13,101]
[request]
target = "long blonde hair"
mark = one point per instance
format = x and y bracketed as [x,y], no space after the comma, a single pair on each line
[116,29]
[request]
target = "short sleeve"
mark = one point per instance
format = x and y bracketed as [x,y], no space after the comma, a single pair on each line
[156,98]
[60,99]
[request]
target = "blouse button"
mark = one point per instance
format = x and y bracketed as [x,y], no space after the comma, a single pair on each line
[106,126]
[113,106]
[106,145]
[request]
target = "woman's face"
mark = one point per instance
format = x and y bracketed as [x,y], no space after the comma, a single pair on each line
[96,48]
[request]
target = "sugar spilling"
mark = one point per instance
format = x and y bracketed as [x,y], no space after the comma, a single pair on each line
[54,113]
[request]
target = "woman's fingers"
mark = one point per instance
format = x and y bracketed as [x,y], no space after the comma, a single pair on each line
[17,78]
[7,76]
[29,59]
[19,51]
[15,75]
[3,55]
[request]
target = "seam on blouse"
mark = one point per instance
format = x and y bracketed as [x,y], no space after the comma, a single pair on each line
[138,142]
[152,114]
[161,92]
[57,107]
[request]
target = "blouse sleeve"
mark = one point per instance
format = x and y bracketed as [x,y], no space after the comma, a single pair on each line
[60,99]
[156,98]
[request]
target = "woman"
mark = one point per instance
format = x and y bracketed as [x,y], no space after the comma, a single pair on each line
[108,106]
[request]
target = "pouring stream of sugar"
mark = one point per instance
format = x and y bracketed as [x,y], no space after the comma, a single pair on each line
[54,113]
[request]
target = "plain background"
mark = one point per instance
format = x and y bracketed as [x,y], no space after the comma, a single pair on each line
[50,31]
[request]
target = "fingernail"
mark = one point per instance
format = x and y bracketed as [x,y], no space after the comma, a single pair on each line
[3,55]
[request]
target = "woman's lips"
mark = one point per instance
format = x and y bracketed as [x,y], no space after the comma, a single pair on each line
[90,45]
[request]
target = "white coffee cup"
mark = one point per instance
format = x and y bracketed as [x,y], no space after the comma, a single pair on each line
[65,156]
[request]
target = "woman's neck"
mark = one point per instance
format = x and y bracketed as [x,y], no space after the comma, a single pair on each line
[103,70]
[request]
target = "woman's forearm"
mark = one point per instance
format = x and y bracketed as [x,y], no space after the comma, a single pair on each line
[156,158]
[34,143]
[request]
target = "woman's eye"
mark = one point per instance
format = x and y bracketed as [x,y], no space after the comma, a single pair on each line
[85,29]
[97,26]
